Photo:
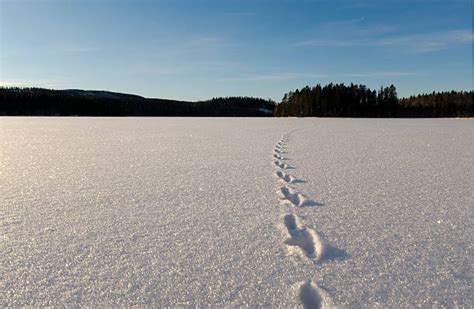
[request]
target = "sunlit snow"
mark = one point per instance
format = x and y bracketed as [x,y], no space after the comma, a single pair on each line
[235,212]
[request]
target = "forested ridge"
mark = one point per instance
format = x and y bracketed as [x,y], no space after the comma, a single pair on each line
[46,102]
[332,100]
[339,100]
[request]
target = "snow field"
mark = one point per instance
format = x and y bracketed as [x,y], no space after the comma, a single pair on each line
[236,212]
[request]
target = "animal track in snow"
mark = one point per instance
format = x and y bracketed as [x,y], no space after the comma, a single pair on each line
[287,178]
[295,198]
[303,238]
[284,177]
[281,165]
[278,157]
[310,296]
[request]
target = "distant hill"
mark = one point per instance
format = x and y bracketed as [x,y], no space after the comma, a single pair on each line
[75,102]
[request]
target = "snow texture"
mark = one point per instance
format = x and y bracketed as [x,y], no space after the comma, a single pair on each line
[236,212]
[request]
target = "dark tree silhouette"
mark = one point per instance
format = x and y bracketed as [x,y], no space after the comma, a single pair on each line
[333,100]
[44,102]
[339,100]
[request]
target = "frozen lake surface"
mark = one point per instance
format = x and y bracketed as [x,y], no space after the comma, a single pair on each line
[234,212]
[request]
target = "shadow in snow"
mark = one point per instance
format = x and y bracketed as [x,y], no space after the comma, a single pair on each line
[332,253]
[309,295]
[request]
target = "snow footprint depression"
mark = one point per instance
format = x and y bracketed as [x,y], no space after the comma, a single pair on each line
[301,240]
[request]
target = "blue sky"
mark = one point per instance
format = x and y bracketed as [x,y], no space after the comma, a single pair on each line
[198,49]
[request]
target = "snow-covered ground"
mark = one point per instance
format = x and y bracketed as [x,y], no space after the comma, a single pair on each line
[233,212]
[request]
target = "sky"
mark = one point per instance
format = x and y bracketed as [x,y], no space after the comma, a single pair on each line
[199,49]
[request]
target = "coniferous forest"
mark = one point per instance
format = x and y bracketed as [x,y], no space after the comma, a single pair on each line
[339,100]
[332,100]
[45,102]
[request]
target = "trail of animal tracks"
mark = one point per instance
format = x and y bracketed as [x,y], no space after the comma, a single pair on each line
[236,212]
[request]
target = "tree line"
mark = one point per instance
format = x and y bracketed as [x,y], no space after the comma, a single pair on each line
[339,100]
[441,104]
[332,100]
[46,102]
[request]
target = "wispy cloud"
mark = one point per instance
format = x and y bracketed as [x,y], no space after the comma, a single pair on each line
[52,49]
[381,36]
[206,43]
[355,27]
[29,83]
[381,74]
[195,45]
[345,33]
[240,14]
[309,76]
[153,69]
[429,42]
[330,43]
[77,49]
[275,77]
[157,70]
